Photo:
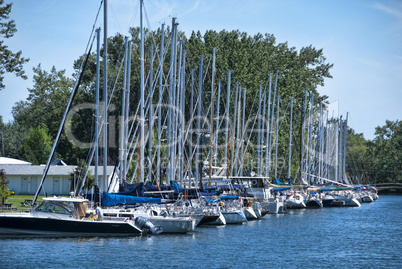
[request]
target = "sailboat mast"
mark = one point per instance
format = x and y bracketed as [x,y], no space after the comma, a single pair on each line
[290,137]
[217,123]
[198,158]
[344,148]
[227,125]
[105,96]
[123,114]
[259,133]
[190,159]
[97,106]
[272,122]
[150,112]
[158,167]
[277,138]
[268,127]
[309,138]
[211,137]
[142,86]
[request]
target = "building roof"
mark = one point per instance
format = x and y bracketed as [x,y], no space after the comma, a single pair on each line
[55,170]
[8,161]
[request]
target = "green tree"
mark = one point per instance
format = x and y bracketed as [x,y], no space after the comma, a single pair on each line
[386,148]
[4,192]
[9,62]
[37,145]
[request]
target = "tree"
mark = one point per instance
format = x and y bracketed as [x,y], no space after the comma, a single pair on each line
[386,148]
[4,192]
[37,145]
[9,62]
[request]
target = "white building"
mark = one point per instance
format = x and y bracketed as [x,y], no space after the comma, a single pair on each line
[24,178]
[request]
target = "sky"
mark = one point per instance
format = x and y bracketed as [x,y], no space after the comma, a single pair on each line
[362,38]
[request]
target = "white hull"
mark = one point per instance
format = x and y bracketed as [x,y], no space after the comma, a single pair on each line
[367,199]
[250,213]
[348,201]
[234,217]
[295,204]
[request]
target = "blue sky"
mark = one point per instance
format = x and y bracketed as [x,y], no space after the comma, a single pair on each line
[361,37]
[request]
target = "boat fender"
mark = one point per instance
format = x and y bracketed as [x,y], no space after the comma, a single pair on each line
[254,182]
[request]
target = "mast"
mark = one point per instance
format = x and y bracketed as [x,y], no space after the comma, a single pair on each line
[158,167]
[302,139]
[97,106]
[105,97]
[290,137]
[211,138]
[243,131]
[238,133]
[272,122]
[190,159]
[217,123]
[122,120]
[127,102]
[171,138]
[227,125]
[182,118]
[142,108]
[268,127]
[150,112]
[261,163]
[277,138]
[198,157]
[344,148]
[309,137]
[259,134]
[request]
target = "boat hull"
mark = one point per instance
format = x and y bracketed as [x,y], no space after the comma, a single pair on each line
[208,219]
[234,217]
[36,226]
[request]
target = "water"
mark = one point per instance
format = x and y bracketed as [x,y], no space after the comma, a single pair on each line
[366,237]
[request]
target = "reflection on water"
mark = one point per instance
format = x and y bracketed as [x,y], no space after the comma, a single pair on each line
[367,236]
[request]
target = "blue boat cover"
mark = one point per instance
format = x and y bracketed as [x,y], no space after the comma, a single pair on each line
[210,193]
[277,181]
[211,200]
[229,197]
[290,181]
[176,186]
[136,189]
[111,199]
[155,188]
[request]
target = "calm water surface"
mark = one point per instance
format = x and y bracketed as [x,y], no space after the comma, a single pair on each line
[366,237]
